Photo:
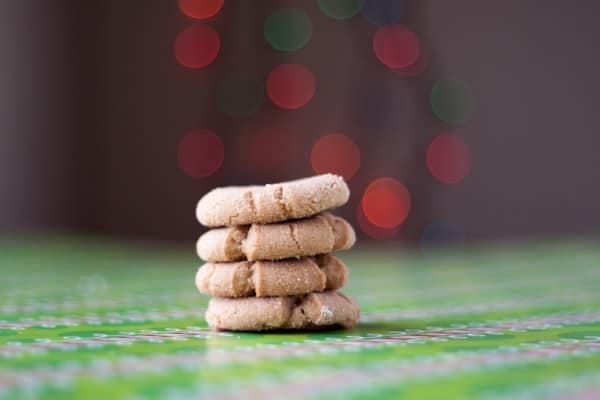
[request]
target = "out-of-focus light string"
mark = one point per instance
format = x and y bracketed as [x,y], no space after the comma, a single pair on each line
[448,158]
[200,153]
[288,29]
[396,46]
[335,153]
[340,9]
[384,12]
[452,101]
[197,46]
[290,86]
[200,9]
[386,202]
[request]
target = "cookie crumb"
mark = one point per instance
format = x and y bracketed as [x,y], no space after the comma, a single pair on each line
[326,313]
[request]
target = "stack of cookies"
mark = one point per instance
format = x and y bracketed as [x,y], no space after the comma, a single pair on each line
[268,263]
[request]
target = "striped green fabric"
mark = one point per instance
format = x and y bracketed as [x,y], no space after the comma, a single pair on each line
[89,319]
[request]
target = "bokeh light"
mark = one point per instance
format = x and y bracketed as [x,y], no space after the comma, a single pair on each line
[197,46]
[200,9]
[337,154]
[200,153]
[371,230]
[340,9]
[288,29]
[416,68]
[396,46]
[240,94]
[384,12]
[448,158]
[386,203]
[452,101]
[290,86]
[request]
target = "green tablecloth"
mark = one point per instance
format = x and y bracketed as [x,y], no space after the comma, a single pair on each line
[89,319]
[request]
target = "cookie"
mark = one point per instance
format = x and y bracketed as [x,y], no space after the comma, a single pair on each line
[313,311]
[246,205]
[272,278]
[320,234]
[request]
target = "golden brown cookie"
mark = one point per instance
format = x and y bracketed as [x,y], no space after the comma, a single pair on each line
[272,278]
[315,310]
[320,234]
[246,205]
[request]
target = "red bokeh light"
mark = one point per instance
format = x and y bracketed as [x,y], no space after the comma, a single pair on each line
[416,68]
[448,158]
[197,46]
[200,9]
[290,86]
[386,203]
[371,230]
[335,153]
[200,153]
[396,46]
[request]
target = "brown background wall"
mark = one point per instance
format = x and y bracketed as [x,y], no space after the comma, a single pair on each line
[94,104]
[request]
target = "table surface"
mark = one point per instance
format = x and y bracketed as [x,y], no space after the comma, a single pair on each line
[92,319]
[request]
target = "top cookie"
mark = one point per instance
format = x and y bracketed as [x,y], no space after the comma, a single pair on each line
[245,205]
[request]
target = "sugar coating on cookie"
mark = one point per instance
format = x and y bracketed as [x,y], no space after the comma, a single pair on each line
[272,278]
[314,310]
[246,205]
[320,234]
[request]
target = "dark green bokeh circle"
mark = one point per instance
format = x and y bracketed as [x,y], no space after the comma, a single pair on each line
[288,29]
[452,101]
[240,94]
[340,9]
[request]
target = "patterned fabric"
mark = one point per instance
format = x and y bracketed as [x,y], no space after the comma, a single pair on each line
[86,320]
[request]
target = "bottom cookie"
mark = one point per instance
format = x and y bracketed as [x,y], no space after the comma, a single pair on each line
[315,310]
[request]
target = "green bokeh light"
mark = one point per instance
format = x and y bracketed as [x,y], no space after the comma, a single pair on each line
[288,29]
[340,9]
[452,101]
[240,94]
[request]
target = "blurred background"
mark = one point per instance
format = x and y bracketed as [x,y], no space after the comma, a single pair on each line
[451,121]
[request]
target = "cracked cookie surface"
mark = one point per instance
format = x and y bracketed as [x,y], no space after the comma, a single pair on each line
[312,311]
[320,234]
[272,278]
[245,205]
